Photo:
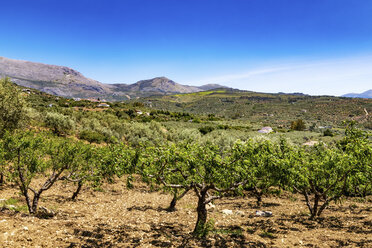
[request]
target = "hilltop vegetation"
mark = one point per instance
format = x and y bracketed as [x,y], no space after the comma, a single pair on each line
[274,109]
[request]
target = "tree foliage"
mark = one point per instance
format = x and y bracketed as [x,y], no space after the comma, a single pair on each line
[30,156]
[12,106]
[298,125]
[203,169]
[325,174]
[59,123]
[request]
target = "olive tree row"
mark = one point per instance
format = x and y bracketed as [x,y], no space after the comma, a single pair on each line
[322,174]
[29,156]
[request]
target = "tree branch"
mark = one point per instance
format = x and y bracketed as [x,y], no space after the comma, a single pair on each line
[211,198]
[307,201]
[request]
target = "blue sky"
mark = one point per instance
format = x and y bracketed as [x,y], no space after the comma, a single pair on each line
[310,46]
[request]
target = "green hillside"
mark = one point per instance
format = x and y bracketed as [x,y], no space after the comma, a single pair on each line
[274,109]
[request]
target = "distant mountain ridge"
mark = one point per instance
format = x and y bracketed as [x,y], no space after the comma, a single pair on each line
[366,94]
[67,82]
[158,84]
[57,80]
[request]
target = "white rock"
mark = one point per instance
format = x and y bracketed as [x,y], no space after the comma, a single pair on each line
[210,206]
[25,228]
[264,213]
[227,211]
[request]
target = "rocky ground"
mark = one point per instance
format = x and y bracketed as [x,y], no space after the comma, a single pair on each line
[119,217]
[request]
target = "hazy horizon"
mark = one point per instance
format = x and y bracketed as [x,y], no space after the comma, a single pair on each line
[317,48]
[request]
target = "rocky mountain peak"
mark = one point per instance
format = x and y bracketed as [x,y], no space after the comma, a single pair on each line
[67,82]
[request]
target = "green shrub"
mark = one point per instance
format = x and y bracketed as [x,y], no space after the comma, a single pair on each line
[59,123]
[138,104]
[91,136]
[298,125]
[328,132]
[206,129]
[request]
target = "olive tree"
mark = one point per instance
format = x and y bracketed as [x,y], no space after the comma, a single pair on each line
[324,173]
[12,112]
[321,173]
[117,160]
[205,169]
[31,156]
[95,165]
[82,169]
[59,123]
[266,168]
[12,106]
[358,146]
[149,169]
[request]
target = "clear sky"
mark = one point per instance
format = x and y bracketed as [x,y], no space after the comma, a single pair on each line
[310,46]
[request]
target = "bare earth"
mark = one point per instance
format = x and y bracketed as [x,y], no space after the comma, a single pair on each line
[119,217]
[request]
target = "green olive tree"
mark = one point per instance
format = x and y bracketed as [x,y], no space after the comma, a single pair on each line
[358,146]
[12,113]
[205,169]
[12,107]
[59,123]
[31,156]
[266,168]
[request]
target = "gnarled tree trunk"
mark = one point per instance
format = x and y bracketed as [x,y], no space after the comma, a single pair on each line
[2,181]
[202,213]
[78,189]
[317,208]
[176,197]
[258,193]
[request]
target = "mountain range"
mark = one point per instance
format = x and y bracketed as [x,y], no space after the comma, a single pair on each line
[366,94]
[67,82]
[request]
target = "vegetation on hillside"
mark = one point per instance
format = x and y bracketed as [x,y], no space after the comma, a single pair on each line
[51,139]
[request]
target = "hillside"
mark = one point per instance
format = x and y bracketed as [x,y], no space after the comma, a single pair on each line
[366,94]
[102,160]
[155,86]
[56,80]
[276,109]
[67,82]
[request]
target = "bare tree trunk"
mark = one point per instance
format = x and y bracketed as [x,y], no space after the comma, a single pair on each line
[259,200]
[74,196]
[32,207]
[172,205]
[28,201]
[35,202]
[315,207]
[325,204]
[315,211]
[176,197]
[23,187]
[2,181]
[308,204]
[258,195]
[202,214]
